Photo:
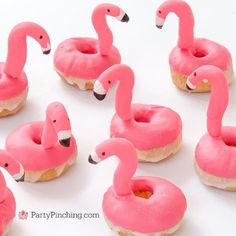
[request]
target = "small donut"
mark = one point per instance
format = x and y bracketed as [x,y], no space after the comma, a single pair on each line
[155,131]
[215,153]
[132,199]
[13,80]
[44,149]
[80,61]
[7,206]
[191,53]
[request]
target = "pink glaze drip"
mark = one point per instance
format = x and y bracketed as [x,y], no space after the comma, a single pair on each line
[146,126]
[105,37]
[186,20]
[7,205]
[43,145]
[219,95]
[17,47]
[163,210]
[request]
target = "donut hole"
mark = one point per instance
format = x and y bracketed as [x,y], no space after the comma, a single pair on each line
[142,118]
[200,53]
[86,49]
[229,142]
[37,140]
[141,189]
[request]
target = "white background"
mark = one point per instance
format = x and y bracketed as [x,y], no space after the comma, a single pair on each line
[146,50]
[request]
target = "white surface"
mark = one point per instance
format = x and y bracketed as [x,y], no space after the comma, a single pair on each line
[146,50]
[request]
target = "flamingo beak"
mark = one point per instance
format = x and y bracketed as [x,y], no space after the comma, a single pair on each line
[159,22]
[98,91]
[20,177]
[189,85]
[64,138]
[123,17]
[47,50]
[93,158]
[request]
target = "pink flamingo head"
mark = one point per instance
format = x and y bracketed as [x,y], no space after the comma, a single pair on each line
[3,188]
[35,31]
[112,10]
[12,166]
[125,151]
[219,95]
[57,124]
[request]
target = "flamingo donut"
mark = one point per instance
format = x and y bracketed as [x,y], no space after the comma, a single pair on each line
[138,206]
[191,53]
[13,80]
[155,131]
[80,61]
[216,151]
[41,150]
[7,206]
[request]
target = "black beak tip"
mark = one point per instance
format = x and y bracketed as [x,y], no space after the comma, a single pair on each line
[100,97]
[90,160]
[188,88]
[65,142]
[47,52]
[125,18]
[22,179]
[159,26]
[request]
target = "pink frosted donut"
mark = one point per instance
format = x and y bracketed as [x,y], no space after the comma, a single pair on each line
[80,61]
[191,53]
[216,150]
[13,80]
[155,131]
[45,149]
[138,206]
[7,206]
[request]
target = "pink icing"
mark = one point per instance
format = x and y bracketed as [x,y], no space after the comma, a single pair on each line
[87,58]
[191,53]
[13,80]
[7,205]
[215,152]
[146,126]
[43,145]
[163,210]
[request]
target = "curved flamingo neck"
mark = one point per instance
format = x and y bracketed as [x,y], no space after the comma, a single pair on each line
[186,22]
[124,95]
[218,100]
[105,37]
[3,188]
[49,136]
[126,168]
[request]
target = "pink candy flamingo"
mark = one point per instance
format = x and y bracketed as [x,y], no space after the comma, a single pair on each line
[80,61]
[154,206]
[216,151]
[7,206]
[191,53]
[154,130]
[45,149]
[13,80]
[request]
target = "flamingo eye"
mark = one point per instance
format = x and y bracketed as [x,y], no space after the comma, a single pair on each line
[109,81]
[108,10]
[41,36]
[6,165]
[195,74]
[159,11]
[54,121]
[103,153]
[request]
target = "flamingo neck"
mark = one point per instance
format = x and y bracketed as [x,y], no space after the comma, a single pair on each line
[49,136]
[3,188]
[125,171]
[105,37]
[17,53]
[124,96]
[186,23]
[217,105]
